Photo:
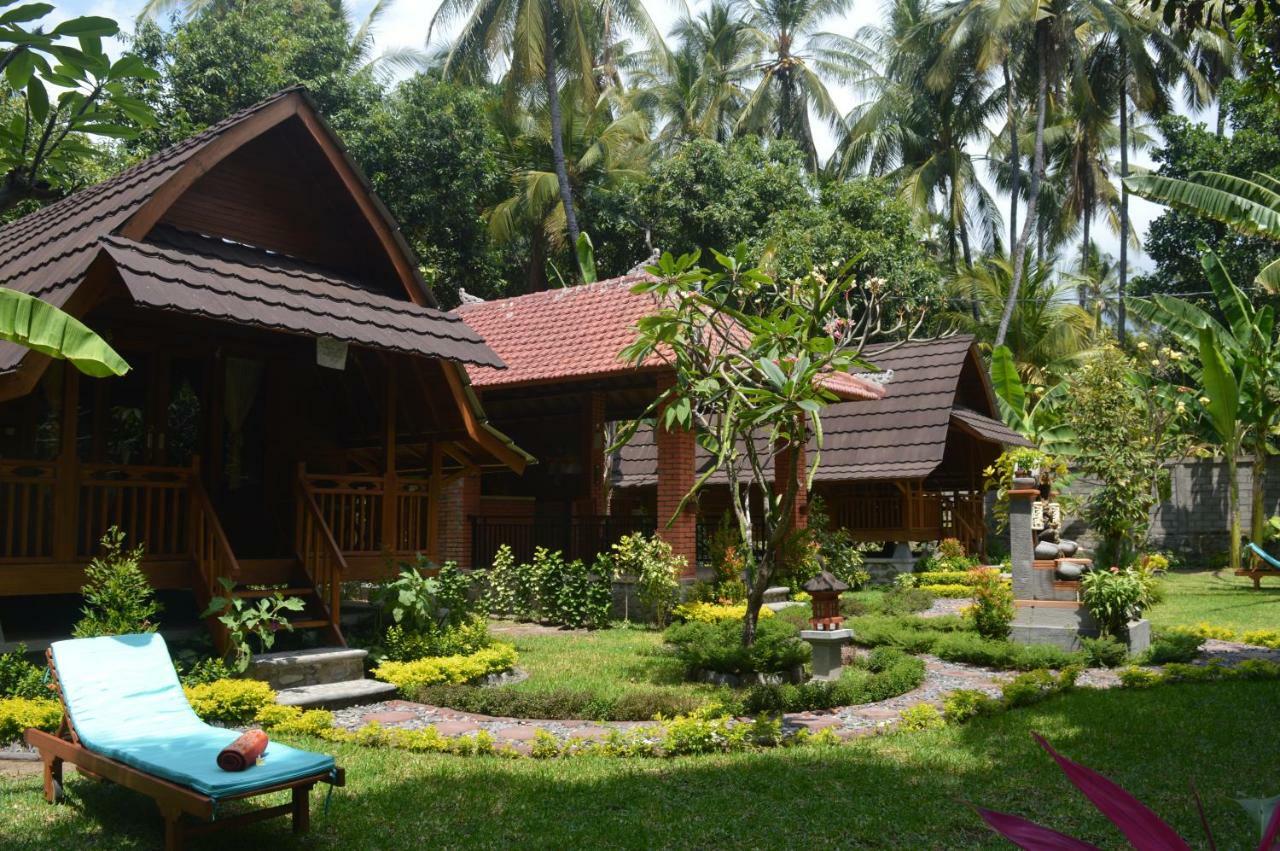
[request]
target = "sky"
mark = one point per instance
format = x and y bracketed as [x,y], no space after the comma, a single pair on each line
[405,24]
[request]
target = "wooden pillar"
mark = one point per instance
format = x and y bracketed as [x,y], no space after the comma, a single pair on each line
[592,502]
[435,487]
[66,494]
[390,532]
[676,473]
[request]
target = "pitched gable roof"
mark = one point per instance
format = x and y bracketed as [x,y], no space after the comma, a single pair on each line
[49,252]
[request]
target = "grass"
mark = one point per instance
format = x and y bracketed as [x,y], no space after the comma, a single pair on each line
[904,791]
[610,663]
[1219,597]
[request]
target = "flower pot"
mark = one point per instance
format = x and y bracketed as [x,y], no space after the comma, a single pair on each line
[1046,550]
[1024,483]
[1069,548]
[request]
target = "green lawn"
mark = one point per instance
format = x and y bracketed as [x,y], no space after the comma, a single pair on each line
[904,791]
[1219,597]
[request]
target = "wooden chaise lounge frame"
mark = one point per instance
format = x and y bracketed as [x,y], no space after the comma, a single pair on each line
[1258,572]
[175,802]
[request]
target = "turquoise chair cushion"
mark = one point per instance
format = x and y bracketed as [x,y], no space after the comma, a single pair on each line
[126,703]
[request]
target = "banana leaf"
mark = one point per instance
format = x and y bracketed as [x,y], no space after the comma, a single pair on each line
[40,326]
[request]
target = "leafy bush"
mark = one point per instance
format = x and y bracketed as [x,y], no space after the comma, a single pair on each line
[410,677]
[950,548]
[905,601]
[230,702]
[1139,678]
[1104,652]
[656,569]
[728,561]
[961,705]
[560,703]
[585,597]
[244,620]
[1204,631]
[715,613]
[20,678]
[885,673]
[550,590]
[293,720]
[992,609]
[944,577]
[838,552]
[202,671]
[505,592]
[955,592]
[420,604]
[1034,686]
[19,713]
[119,600]
[718,647]
[400,645]
[922,716]
[1173,647]
[1114,597]
[1005,655]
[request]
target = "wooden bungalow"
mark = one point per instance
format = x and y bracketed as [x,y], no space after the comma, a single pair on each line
[296,404]
[902,458]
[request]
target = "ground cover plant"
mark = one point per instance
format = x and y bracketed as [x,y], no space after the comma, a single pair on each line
[397,799]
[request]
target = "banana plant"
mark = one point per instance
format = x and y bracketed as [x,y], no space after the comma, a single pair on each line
[40,326]
[1037,419]
[1250,207]
[1238,367]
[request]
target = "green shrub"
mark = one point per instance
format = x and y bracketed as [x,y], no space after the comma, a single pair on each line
[922,716]
[1104,652]
[584,597]
[961,705]
[954,592]
[1034,686]
[19,713]
[905,601]
[886,672]
[411,677]
[462,640]
[973,649]
[20,678]
[202,671]
[1204,630]
[1173,647]
[718,647]
[1139,678]
[1263,637]
[992,609]
[293,720]
[561,703]
[656,569]
[118,598]
[1114,597]
[421,604]
[945,577]
[505,592]
[230,702]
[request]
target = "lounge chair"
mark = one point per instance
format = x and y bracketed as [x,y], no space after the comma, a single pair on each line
[1256,573]
[126,719]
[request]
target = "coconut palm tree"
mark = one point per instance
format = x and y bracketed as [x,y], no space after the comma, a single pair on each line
[797,61]
[542,41]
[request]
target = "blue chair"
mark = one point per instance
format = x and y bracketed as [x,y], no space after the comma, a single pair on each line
[126,719]
[1256,574]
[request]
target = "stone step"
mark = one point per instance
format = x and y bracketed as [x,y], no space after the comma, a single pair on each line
[336,695]
[318,666]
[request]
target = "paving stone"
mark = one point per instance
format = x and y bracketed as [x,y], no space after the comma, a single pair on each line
[596,733]
[517,734]
[456,728]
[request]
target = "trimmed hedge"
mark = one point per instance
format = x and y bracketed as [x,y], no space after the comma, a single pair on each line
[412,677]
[718,647]
[948,638]
[955,592]
[715,613]
[885,673]
[562,704]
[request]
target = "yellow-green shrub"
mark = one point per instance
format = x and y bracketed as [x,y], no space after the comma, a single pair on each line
[409,677]
[291,720]
[957,591]
[229,701]
[1204,629]
[19,713]
[922,716]
[1264,637]
[714,612]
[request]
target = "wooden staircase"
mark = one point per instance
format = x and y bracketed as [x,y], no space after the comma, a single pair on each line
[313,575]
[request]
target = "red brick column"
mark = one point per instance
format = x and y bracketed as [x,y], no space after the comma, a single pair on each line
[460,502]
[791,462]
[676,465]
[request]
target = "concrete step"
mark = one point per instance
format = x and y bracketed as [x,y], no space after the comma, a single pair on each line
[336,695]
[318,666]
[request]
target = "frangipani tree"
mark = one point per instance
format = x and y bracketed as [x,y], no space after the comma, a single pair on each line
[40,326]
[1238,367]
[752,359]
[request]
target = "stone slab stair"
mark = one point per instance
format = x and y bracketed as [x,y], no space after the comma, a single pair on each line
[320,678]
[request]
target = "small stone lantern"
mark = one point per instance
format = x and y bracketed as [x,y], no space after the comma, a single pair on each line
[825,589]
[827,637]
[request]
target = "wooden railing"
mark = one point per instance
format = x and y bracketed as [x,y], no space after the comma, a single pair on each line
[412,519]
[212,554]
[964,518]
[148,504]
[891,512]
[319,554]
[27,500]
[355,509]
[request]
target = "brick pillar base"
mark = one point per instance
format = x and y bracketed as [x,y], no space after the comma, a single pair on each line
[675,478]
[460,502]
[791,463]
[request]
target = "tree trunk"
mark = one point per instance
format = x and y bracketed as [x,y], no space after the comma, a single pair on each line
[1121,315]
[1083,289]
[1233,498]
[1015,159]
[1033,194]
[557,144]
[1257,503]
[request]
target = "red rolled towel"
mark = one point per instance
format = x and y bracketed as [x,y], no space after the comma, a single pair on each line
[243,752]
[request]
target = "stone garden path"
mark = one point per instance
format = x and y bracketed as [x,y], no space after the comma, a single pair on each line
[941,678]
